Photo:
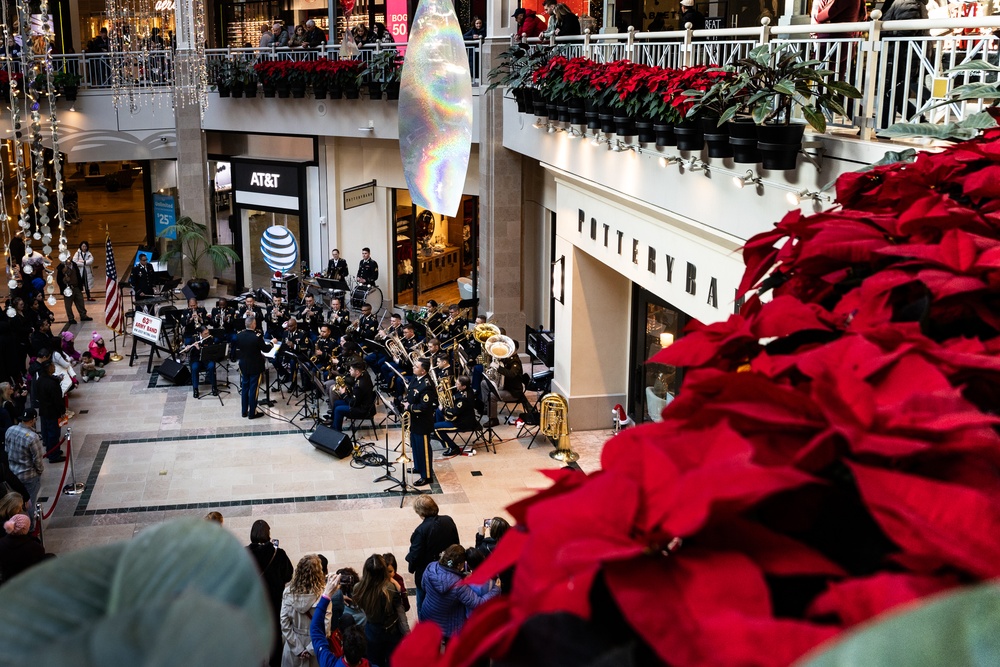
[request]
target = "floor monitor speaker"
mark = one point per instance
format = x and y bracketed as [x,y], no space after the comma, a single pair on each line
[175,372]
[331,441]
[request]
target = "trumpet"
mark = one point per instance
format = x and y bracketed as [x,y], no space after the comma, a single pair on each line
[354,326]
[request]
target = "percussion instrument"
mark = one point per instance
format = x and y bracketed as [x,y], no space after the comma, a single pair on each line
[369,294]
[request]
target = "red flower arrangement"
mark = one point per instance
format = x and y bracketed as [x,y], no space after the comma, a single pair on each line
[321,73]
[833,452]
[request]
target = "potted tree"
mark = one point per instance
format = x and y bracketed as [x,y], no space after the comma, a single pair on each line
[710,96]
[191,242]
[777,82]
[385,72]
[68,83]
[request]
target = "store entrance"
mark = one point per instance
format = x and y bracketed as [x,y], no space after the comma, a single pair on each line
[655,325]
[435,256]
[281,244]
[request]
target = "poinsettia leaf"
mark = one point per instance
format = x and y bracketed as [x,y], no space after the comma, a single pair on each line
[422,646]
[956,629]
[858,599]
[934,519]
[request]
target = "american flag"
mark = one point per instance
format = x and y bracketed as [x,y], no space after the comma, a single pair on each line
[112,300]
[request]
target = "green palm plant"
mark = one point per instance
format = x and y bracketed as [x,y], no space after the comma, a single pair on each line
[192,242]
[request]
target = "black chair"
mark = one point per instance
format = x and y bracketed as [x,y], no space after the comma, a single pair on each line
[356,424]
[479,437]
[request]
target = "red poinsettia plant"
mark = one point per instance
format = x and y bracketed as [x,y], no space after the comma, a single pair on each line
[832,453]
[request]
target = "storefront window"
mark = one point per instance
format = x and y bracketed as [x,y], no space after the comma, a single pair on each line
[435,255]
[655,385]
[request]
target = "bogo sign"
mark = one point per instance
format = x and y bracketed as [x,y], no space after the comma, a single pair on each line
[395,13]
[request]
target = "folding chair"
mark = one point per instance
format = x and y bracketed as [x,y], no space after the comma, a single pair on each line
[479,437]
[358,423]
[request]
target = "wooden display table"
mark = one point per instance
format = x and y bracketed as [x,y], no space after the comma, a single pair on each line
[440,268]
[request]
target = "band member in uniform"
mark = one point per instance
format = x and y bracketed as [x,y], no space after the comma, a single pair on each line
[250,348]
[460,418]
[435,320]
[325,349]
[222,318]
[367,269]
[379,355]
[421,401]
[296,347]
[336,268]
[454,326]
[277,315]
[191,319]
[444,367]
[205,339]
[249,308]
[357,401]
[473,349]
[391,369]
[141,279]
[310,316]
[340,318]
[367,325]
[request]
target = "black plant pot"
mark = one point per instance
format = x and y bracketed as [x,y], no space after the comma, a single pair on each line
[716,137]
[319,93]
[224,91]
[199,287]
[645,131]
[664,134]
[551,110]
[577,111]
[743,138]
[689,136]
[607,122]
[562,113]
[519,99]
[269,91]
[624,126]
[284,92]
[335,93]
[375,90]
[298,92]
[69,92]
[593,123]
[779,145]
[352,93]
[538,104]
[391,90]
[237,90]
[250,91]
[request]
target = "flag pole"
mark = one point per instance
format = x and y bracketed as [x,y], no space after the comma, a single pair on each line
[120,331]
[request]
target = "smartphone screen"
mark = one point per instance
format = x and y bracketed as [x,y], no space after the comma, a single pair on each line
[486,523]
[275,543]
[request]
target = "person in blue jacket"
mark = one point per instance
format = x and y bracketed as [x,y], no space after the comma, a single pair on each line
[355,645]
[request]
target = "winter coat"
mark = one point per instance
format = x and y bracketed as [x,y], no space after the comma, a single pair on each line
[905,10]
[447,601]
[429,539]
[18,553]
[532,26]
[296,615]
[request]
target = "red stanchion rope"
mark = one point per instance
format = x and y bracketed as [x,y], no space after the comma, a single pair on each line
[69,452]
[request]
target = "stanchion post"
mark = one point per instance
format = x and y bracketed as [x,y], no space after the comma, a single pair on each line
[74,488]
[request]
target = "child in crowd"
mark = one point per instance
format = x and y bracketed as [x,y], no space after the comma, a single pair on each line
[89,369]
[390,563]
[97,350]
[68,348]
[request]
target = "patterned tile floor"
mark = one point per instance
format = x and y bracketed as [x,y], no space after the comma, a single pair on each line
[149,451]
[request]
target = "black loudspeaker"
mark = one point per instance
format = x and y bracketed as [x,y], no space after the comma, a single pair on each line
[175,371]
[331,441]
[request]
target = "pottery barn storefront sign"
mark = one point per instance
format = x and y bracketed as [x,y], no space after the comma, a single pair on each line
[269,185]
[688,271]
[359,195]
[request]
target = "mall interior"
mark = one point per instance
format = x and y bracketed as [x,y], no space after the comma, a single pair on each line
[590,251]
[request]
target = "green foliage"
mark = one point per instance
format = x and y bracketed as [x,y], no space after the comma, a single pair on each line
[386,66]
[967,128]
[222,73]
[518,64]
[958,630]
[192,242]
[181,594]
[773,80]
[64,78]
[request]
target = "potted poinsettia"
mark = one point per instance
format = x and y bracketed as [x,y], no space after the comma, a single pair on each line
[68,83]
[298,73]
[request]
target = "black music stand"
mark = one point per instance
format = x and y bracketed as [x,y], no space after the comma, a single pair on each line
[216,353]
[401,487]
[317,392]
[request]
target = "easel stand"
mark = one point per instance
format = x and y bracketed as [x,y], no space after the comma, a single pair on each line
[400,486]
[154,348]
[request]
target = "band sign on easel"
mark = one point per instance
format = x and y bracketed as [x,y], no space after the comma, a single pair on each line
[147,327]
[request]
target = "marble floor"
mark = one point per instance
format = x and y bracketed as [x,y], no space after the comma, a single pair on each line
[148,451]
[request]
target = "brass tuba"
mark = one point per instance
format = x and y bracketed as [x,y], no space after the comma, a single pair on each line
[554,422]
[444,389]
[496,348]
[395,347]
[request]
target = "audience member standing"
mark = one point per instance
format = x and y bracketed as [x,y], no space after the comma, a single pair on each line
[447,600]
[434,534]
[51,406]
[297,607]
[70,283]
[527,23]
[25,452]
[691,15]
[377,596]
[84,260]
[275,571]
[315,38]
[567,23]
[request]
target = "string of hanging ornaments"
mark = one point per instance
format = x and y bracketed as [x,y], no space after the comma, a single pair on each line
[141,61]
[28,93]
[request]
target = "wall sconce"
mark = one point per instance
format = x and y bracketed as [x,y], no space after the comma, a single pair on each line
[559,279]
[666,340]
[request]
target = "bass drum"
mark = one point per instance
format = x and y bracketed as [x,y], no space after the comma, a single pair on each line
[369,294]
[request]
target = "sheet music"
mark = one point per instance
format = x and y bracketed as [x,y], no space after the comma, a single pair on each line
[275,348]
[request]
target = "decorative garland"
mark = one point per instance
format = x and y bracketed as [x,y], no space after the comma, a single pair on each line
[832,454]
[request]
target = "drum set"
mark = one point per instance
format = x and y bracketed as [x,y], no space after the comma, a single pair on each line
[355,296]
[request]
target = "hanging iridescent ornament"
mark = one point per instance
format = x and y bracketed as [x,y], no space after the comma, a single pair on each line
[68,292]
[51,300]
[26,269]
[12,283]
[11,312]
[435,109]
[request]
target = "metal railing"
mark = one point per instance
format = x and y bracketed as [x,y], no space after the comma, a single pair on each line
[897,75]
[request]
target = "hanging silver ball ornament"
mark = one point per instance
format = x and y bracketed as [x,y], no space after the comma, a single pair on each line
[50,289]
[49,279]
[27,270]
[37,236]
[46,250]
[22,192]
[68,292]
[11,312]
[63,256]
[12,283]
[51,300]
[46,238]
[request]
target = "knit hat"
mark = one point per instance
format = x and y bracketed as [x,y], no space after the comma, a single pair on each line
[38,284]
[67,336]
[96,336]
[18,525]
